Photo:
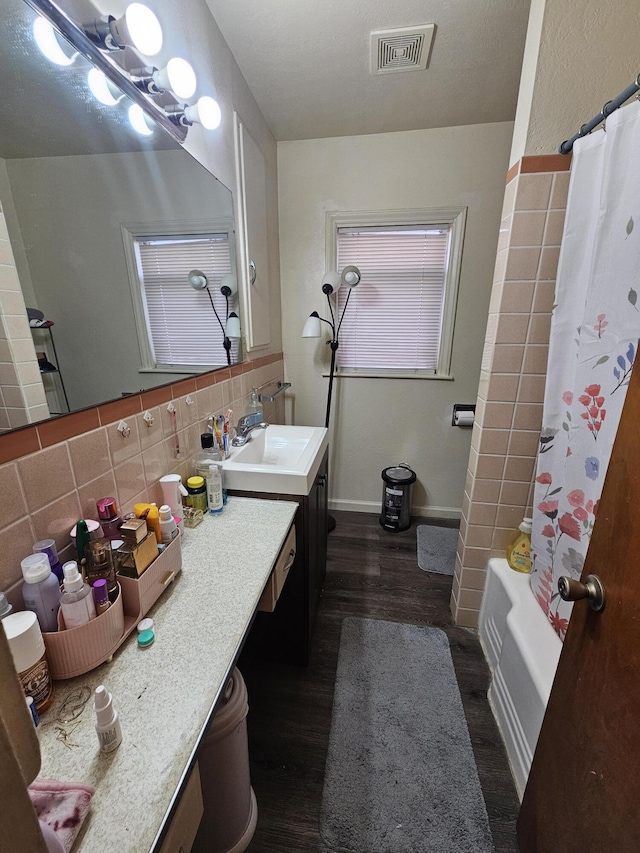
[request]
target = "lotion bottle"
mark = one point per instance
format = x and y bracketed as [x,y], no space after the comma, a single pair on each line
[41,590]
[76,600]
[107,720]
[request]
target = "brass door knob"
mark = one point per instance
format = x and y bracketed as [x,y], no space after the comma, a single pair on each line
[592,590]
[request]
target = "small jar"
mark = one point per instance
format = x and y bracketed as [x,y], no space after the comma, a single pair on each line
[197,493]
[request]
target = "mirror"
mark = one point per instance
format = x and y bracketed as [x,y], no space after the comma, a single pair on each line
[81,192]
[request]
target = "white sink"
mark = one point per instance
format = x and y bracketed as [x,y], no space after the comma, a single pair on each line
[280,458]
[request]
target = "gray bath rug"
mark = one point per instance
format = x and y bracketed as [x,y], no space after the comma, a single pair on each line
[400,774]
[437,548]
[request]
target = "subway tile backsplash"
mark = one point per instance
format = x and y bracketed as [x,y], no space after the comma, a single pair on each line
[46,485]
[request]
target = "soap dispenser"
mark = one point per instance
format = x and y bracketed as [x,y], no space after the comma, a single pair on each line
[255,406]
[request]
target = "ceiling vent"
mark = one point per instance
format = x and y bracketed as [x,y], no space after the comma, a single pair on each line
[403,49]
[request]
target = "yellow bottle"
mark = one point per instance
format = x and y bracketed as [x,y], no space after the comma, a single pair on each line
[519,549]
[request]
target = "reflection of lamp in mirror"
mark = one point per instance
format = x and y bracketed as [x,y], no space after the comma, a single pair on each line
[138,28]
[103,89]
[177,76]
[50,44]
[139,120]
[231,327]
[332,281]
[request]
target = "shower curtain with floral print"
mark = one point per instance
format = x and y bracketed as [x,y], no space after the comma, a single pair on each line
[594,337]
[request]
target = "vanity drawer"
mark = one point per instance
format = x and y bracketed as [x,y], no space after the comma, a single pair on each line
[186,820]
[279,574]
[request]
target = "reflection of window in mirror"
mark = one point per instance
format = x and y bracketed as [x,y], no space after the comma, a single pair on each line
[177,327]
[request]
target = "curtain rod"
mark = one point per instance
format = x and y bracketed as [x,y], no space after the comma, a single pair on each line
[609,107]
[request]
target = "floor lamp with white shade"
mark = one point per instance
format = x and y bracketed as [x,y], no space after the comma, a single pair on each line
[349,277]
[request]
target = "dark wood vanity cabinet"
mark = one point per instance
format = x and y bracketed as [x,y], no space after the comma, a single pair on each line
[285,635]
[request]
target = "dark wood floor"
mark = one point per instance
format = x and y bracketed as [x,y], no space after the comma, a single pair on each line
[372,573]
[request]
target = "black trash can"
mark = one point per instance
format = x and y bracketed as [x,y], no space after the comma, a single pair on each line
[396,497]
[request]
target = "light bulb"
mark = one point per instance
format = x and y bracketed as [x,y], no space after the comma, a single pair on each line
[144,29]
[138,120]
[103,89]
[205,112]
[47,40]
[178,76]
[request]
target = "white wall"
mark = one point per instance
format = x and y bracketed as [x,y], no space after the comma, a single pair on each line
[379,422]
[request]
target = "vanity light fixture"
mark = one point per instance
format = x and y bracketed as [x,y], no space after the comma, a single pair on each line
[138,120]
[231,327]
[49,43]
[138,27]
[103,89]
[98,40]
[177,76]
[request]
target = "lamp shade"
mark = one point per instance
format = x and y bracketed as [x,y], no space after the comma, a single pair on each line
[230,282]
[312,328]
[331,282]
[232,329]
[350,276]
[198,280]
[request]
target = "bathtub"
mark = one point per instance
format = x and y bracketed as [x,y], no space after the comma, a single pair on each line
[522,651]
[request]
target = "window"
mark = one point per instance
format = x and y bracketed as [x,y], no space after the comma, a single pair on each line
[177,328]
[399,321]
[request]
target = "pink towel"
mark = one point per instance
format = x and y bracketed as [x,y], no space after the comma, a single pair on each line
[62,806]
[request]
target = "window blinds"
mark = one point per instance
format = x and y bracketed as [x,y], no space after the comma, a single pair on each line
[394,317]
[182,327]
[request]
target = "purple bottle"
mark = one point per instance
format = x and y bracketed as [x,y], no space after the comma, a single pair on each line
[101,596]
[48,547]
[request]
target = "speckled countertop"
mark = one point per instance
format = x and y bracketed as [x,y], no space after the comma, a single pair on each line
[165,693]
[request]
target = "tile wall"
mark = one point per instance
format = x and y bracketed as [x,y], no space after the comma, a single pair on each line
[52,474]
[22,395]
[498,489]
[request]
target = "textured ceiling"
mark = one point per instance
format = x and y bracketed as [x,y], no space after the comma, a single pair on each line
[307,63]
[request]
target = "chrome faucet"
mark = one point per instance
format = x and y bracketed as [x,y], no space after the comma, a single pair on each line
[245,427]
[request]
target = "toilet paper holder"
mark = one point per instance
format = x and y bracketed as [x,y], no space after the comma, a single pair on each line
[461,414]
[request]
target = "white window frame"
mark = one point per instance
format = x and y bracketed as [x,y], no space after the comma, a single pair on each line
[455,218]
[133,231]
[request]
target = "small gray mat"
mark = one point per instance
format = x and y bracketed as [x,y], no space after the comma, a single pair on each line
[437,548]
[400,774]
